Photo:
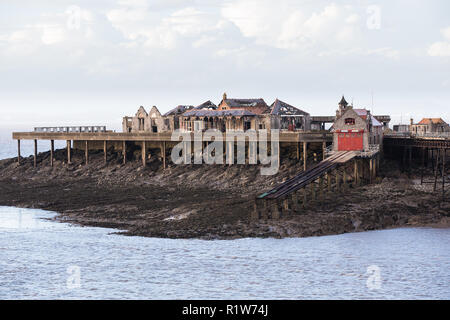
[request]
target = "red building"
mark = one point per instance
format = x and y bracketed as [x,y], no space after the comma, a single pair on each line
[355,129]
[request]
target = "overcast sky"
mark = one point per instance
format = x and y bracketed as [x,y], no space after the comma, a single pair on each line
[92,62]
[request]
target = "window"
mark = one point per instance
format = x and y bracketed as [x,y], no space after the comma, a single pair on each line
[141,124]
[349,121]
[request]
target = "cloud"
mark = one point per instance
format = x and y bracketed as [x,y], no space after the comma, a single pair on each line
[441,48]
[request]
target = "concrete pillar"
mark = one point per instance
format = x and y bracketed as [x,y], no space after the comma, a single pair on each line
[69,151]
[86,152]
[305,154]
[124,151]
[35,154]
[18,151]
[144,153]
[52,151]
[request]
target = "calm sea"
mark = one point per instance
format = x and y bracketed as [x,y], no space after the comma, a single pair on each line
[41,259]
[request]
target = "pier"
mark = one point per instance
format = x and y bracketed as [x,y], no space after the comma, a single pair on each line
[121,142]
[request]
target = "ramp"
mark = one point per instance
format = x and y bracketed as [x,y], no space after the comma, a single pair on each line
[304,178]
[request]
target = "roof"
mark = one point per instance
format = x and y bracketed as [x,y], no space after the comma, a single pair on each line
[257,106]
[363,114]
[343,102]
[178,110]
[218,113]
[206,105]
[279,107]
[432,121]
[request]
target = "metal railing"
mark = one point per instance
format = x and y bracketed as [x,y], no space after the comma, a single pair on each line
[71,129]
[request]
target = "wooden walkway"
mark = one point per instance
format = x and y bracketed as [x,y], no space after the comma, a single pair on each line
[330,175]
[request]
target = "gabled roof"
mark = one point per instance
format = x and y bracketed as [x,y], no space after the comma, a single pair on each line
[363,114]
[279,107]
[432,121]
[178,110]
[218,113]
[141,110]
[206,105]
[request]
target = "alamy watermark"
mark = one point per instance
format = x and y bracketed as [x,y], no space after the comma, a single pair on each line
[373,282]
[373,21]
[220,145]
[74,279]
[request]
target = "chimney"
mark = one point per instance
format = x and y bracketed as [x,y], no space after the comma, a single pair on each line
[411,121]
[224,96]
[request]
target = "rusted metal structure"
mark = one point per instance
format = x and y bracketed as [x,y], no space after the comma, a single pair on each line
[428,151]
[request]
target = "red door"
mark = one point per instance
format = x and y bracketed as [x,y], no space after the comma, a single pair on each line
[350,141]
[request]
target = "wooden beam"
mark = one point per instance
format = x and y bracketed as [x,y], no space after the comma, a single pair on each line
[35,153]
[52,151]
[164,154]
[105,151]
[69,150]
[144,153]
[324,149]
[18,151]
[86,152]
[305,154]
[124,151]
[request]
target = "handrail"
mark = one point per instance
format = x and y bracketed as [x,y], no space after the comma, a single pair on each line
[71,129]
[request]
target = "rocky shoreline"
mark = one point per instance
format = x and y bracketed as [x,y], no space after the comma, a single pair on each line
[206,202]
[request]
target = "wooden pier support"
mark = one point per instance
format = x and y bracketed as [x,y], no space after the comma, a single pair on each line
[163,153]
[324,150]
[105,150]
[18,151]
[35,153]
[52,152]
[86,152]
[305,154]
[124,152]
[144,153]
[69,151]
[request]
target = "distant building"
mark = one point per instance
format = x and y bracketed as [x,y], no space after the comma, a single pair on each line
[403,128]
[355,129]
[145,122]
[429,125]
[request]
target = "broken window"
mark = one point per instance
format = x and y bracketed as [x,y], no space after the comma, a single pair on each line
[350,121]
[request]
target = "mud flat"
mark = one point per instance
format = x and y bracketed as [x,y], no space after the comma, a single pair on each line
[207,202]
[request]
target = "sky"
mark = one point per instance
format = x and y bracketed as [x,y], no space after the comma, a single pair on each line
[93,62]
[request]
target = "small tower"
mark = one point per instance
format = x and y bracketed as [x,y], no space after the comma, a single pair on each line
[224,96]
[342,106]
